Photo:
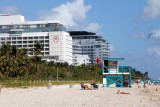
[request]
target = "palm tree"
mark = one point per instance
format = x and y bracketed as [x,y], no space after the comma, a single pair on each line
[71,68]
[57,65]
[12,60]
[38,47]
[21,62]
[146,75]
[7,54]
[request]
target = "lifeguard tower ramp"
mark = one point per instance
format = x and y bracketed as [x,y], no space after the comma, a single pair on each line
[114,74]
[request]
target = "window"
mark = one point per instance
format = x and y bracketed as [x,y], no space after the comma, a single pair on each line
[24,41]
[38,25]
[24,37]
[8,38]
[30,41]
[13,42]
[41,42]
[19,38]
[14,38]
[30,37]
[8,42]
[97,46]
[2,42]
[30,45]
[19,41]
[46,49]
[41,37]
[47,53]
[35,37]
[113,62]
[16,32]
[46,45]
[46,41]
[47,37]
[19,46]
[2,38]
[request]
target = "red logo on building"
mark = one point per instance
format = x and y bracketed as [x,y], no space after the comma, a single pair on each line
[55,38]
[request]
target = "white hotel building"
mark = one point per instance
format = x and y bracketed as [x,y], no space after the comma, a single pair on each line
[89,43]
[14,30]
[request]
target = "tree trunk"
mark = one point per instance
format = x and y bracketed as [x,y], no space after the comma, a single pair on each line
[57,73]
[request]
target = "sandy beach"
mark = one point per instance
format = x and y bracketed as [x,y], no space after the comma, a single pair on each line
[63,96]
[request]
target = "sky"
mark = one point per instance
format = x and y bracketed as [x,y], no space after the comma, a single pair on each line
[132,27]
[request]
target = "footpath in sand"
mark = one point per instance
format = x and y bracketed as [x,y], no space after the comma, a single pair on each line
[63,96]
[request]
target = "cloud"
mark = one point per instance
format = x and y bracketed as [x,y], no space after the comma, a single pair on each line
[151,10]
[93,27]
[138,35]
[114,51]
[157,33]
[9,10]
[69,13]
[112,48]
[154,51]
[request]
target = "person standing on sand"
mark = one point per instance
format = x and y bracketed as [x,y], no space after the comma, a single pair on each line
[92,84]
[138,83]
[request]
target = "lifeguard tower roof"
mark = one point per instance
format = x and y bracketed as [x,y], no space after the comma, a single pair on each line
[112,59]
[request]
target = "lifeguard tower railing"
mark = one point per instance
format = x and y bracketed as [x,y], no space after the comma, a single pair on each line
[113,73]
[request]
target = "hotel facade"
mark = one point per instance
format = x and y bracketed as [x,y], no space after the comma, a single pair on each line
[14,30]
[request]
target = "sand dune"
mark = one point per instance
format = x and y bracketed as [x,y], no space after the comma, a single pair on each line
[63,96]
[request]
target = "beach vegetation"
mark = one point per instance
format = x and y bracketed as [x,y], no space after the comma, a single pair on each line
[16,67]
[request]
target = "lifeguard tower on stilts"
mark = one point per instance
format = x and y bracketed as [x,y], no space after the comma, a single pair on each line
[114,74]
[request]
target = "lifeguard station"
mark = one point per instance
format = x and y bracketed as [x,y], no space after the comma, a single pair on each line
[114,74]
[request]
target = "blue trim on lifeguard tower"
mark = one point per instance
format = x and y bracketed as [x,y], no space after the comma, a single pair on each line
[112,59]
[118,80]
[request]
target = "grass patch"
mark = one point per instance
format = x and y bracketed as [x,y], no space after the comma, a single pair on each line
[30,83]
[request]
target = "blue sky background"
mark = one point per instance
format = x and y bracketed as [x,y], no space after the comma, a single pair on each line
[125,24]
